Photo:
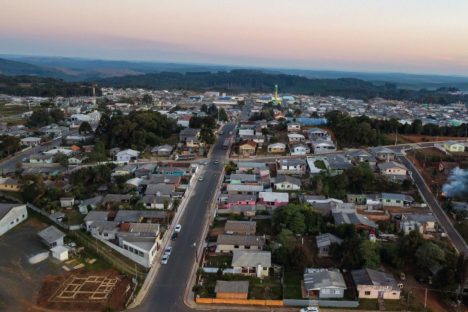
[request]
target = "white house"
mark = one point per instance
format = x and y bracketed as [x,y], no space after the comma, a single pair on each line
[454,147]
[295,138]
[323,146]
[30,141]
[127,155]
[392,168]
[299,149]
[51,236]
[294,127]
[287,183]
[11,215]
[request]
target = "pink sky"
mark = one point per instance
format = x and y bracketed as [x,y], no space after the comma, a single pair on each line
[368,35]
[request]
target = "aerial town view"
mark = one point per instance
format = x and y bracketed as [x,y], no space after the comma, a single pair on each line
[179,156]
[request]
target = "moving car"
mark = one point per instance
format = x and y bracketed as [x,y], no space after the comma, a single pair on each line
[168,251]
[178,228]
[165,259]
[310,309]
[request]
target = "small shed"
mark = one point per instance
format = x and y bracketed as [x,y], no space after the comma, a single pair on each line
[51,236]
[60,253]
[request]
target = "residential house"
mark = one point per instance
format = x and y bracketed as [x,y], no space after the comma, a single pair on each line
[273,199]
[362,156]
[127,155]
[190,136]
[287,183]
[295,138]
[123,170]
[324,242]
[232,289]
[229,200]
[321,204]
[239,178]
[156,202]
[244,188]
[383,153]
[251,262]
[392,168]
[51,236]
[337,164]
[276,148]
[115,200]
[163,150]
[11,215]
[454,147]
[321,146]
[324,283]
[184,121]
[372,284]
[294,127]
[346,214]
[396,200]
[31,141]
[240,227]
[89,204]
[317,133]
[299,149]
[160,189]
[228,243]
[423,223]
[67,202]
[248,148]
[9,185]
[41,159]
[295,166]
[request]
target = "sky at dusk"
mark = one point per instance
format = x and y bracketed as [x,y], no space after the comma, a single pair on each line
[421,36]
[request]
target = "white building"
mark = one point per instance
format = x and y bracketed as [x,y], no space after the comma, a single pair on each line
[31,141]
[11,215]
[127,155]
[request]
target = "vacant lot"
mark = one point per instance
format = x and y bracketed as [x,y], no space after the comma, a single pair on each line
[19,280]
[83,291]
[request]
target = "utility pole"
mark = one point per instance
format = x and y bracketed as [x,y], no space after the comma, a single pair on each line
[425,298]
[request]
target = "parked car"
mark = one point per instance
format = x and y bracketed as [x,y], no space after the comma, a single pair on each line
[168,251]
[174,236]
[165,259]
[178,228]
[310,309]
[200,179]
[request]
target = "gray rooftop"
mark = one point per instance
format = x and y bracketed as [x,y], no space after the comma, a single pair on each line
[243,240]
[251,258]
[372,277]
[327,239]
[323,278]
[51,234]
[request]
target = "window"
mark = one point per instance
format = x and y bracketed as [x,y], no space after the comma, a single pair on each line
[367,293]
[236,246]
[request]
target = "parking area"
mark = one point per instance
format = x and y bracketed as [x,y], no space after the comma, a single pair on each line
[21,281]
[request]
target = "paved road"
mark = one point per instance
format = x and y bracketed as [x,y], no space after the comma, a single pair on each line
[436,209]
[167,291]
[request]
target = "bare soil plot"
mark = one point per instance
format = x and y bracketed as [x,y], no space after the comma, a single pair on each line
[85,291]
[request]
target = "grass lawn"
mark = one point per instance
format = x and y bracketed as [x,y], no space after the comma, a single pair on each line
[266,288]
[368,304]
[393,305]
[74,217]
[219,261]
[292,285]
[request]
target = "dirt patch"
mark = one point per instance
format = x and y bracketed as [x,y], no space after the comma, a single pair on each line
[85,291]
[415,138]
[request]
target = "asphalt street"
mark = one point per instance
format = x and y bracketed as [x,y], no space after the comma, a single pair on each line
[437,210]
[168,290]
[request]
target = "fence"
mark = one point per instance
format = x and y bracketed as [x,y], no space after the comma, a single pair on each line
[321,303]
[47,215]
[251,302]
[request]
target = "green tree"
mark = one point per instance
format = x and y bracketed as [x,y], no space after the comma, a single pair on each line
[223,115]
[147,99]
[207,135]
[429,255]
[370,254]
[85,128]
[9,145]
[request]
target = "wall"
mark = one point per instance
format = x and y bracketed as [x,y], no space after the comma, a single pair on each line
[321,303]
[12,216]
[254,302]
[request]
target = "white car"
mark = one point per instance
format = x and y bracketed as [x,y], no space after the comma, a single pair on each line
[310,309]
[168,251]
[178,227]
[200,179]
[164,260]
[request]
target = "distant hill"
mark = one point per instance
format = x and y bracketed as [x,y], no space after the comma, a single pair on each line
[14,68]
[241,81]
[46,87]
